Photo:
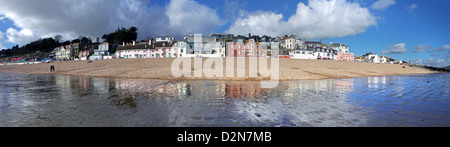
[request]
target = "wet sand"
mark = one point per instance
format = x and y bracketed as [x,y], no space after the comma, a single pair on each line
[289,69]
[31,100]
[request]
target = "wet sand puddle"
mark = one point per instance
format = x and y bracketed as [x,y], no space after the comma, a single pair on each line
[59,100]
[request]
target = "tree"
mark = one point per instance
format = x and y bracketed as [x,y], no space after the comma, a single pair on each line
[58,38]
[121,35]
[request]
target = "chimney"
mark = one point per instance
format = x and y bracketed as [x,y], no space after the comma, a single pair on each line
[150,42]
[134,42]
[123,43]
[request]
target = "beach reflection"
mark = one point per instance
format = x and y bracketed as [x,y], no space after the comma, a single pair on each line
[58,100]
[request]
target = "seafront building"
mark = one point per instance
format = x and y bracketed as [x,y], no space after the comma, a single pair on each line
[343,52]
[371,57]
[245,48]
[291,42]
[161,47]
[301,52]
[203,46]
[63,52]
[134,50]
[102,52]
[218,45]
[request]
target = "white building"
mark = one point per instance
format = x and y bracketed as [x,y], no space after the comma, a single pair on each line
[302,52]
[371,57]
[164,39]
[341,48]
[201,46]
[102,52]
[292,42]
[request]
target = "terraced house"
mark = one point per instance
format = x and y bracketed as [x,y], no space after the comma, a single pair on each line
[202,46]
[245,48]
[161,47]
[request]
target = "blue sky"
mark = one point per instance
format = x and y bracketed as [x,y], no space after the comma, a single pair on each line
[416,30]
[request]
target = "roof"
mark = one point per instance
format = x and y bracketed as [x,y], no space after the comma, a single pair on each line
[313,42]
[137,46]
[163,36]
[163,44]
[302,48]
[294,36]
[339,44]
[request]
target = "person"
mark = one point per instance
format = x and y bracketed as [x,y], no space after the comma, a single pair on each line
[52,68]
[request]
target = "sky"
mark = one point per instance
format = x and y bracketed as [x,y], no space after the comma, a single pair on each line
[410,30]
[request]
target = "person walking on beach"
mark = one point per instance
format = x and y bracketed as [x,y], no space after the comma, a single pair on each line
[52,68]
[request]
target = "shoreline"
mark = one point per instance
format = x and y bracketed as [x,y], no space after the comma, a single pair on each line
[160,69]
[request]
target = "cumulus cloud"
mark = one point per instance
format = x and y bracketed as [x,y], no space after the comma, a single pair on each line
[318,19]
[93,18]
[443,49]
[382,4]
[21,37]
[420,48]
[259,22]
[442,52]
[187,16]
[1,40]
[396,49]
[432,62]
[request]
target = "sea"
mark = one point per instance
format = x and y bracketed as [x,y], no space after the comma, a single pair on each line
[418,100]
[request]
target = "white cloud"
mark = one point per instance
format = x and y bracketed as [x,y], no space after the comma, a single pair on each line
[420,48]
[396,49]
[187,16]
[444,48]
[318,19]
[382,4]
[20,37]
[411,8]
[1,40]
[259,22]
[93,18]
[432,62]
[442,52]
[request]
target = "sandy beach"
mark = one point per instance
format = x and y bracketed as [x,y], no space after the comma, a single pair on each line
[289,69]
